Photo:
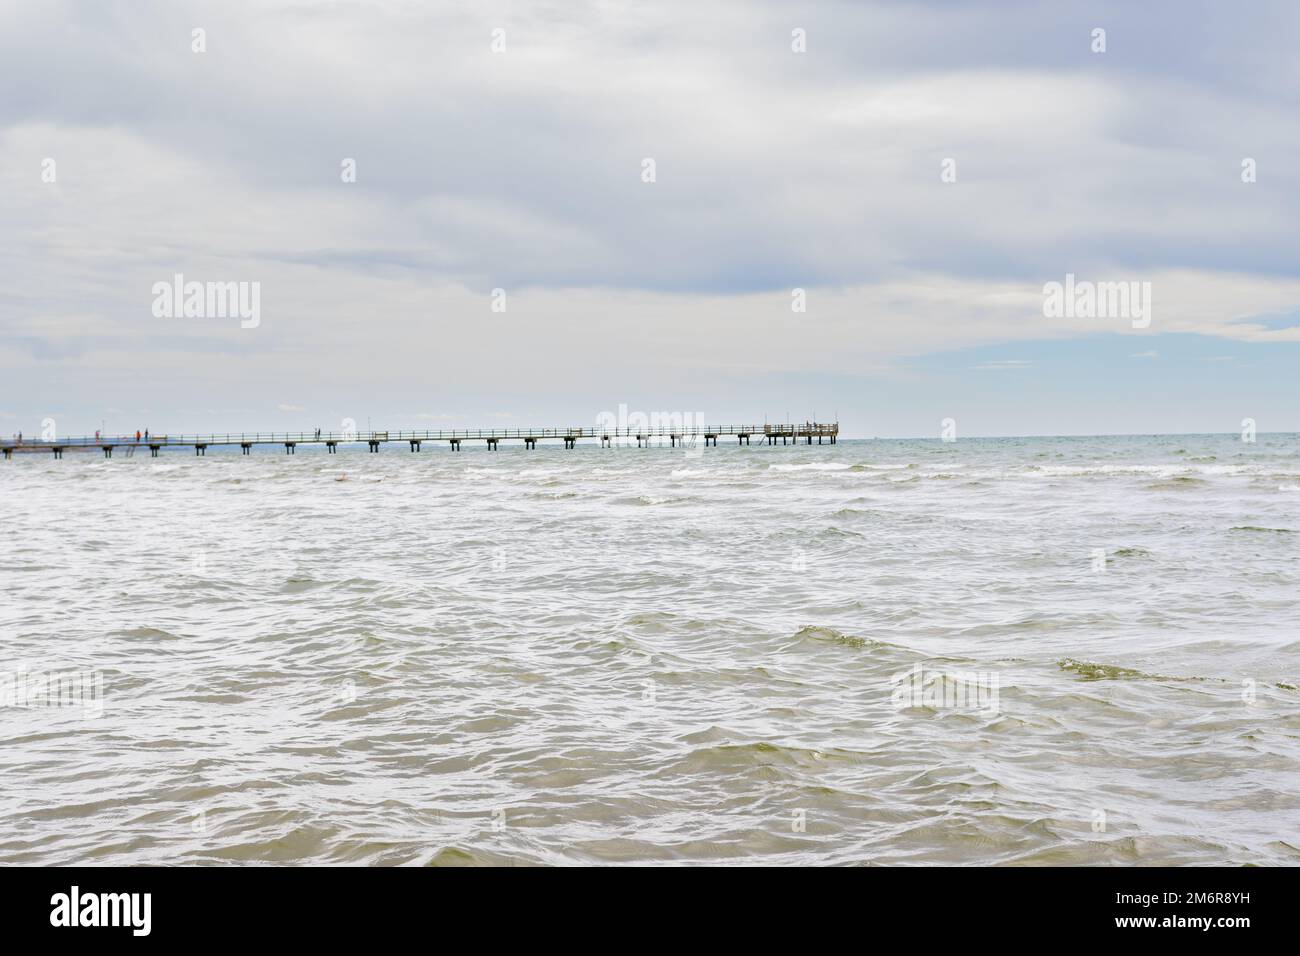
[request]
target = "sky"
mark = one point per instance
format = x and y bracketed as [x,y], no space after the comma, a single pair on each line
[502,256]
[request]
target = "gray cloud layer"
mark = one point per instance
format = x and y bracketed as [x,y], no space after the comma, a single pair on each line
[521,170]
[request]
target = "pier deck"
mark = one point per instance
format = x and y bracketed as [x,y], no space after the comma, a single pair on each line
[492,437]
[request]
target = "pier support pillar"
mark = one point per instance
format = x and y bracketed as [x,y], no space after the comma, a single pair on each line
[530,442]
[153,450]
[9,453]
[415,445]
[108,451]
[708,437]
[455,444]
[374,446]
[58,451]
[290,448]
[492,443]
[246,447]
[605,442]
[331,447]
[201,450]
[570,441]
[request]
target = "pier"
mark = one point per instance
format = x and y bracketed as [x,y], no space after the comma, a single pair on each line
[786,434]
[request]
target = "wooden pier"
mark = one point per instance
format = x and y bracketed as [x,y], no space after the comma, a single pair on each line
[491,437]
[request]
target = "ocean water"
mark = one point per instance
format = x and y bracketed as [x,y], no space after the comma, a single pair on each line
[1015,651]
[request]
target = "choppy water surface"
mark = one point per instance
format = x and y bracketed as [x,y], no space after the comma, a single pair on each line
[623,655]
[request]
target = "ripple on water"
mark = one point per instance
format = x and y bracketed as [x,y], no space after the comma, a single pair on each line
[646,656]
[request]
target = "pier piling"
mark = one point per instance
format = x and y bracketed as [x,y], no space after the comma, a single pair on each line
[677,435]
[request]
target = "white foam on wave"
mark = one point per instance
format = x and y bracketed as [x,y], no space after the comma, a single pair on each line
[1159,471]
[1078,471]
[813,466]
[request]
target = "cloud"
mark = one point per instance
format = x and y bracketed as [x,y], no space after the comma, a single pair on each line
[521,171]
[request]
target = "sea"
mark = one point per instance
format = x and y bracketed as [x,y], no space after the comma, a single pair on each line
[1014,651]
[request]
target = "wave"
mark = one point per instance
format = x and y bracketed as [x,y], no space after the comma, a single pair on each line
[1176,481]
[813,466]
[829,635]
[1157,471]
[859,513]
[146,634]
[1091,670]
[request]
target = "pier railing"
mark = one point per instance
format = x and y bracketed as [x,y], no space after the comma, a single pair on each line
[493,437]
[459,434]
